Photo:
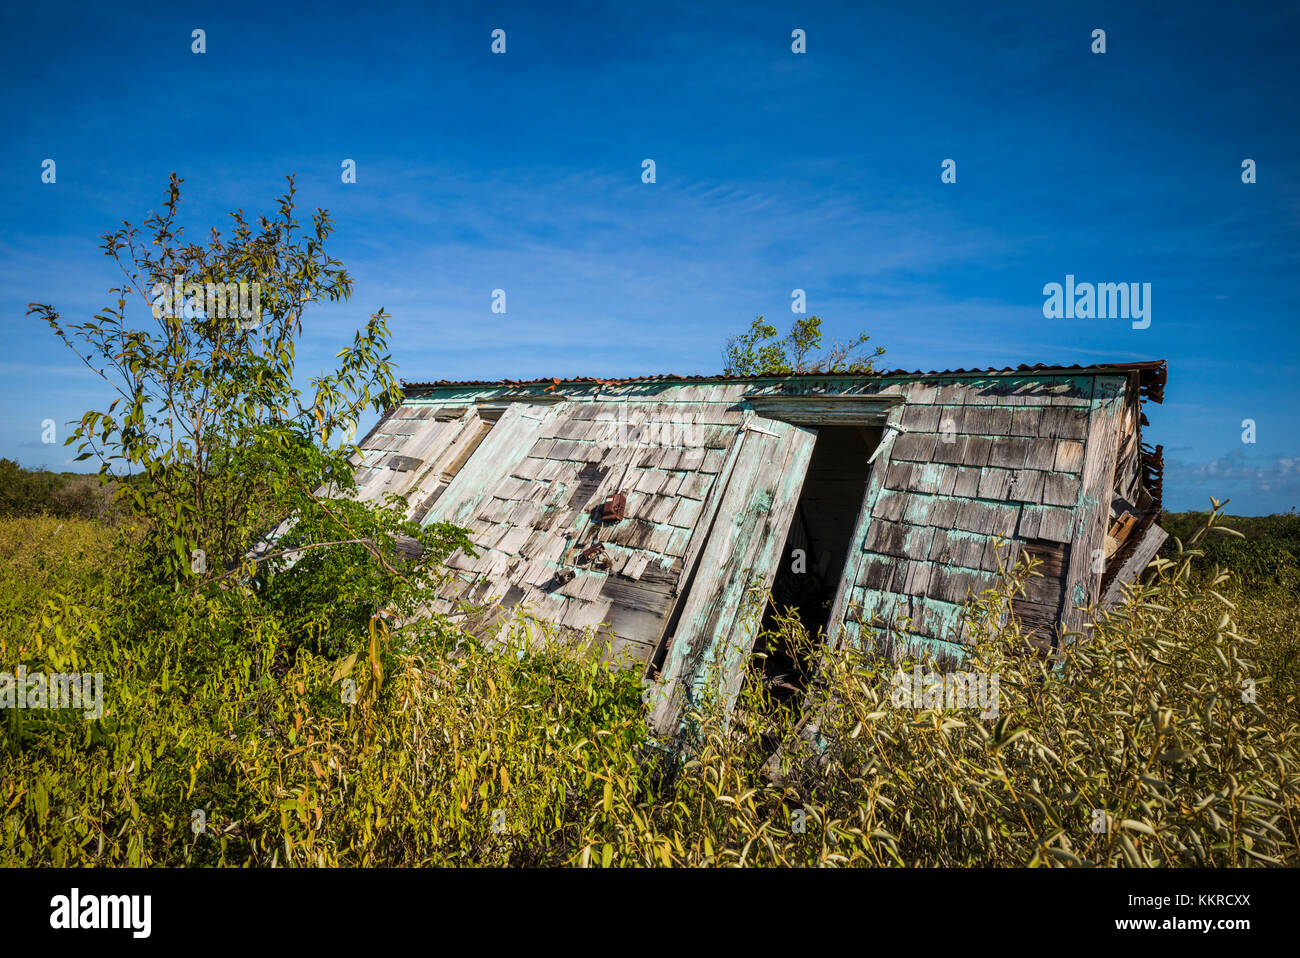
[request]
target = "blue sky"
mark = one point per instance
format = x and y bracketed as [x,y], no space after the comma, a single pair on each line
[775,171]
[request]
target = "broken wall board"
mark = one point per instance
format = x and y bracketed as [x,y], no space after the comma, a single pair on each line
[715,635]
[1040,606]
[1092,509]
[1138,558]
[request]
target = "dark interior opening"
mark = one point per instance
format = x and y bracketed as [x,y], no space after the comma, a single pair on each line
[815,551]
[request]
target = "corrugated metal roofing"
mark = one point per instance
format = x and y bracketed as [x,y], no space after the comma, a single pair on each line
[1154,372]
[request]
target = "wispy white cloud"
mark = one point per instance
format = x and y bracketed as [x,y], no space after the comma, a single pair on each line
[1249,480]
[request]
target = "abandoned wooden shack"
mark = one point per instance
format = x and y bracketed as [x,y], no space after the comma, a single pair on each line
[656,513]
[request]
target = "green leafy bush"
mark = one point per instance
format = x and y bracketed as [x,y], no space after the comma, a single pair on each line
[1266,553]
[33,492]
[762,352]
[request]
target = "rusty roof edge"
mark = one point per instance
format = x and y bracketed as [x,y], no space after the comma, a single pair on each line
[1153,374]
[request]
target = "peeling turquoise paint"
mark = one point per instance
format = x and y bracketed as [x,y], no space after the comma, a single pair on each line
[931,471]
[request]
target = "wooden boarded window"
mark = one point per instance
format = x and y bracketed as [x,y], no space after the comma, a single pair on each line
[1040,608]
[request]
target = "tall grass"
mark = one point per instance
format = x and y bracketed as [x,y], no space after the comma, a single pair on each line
[224,744]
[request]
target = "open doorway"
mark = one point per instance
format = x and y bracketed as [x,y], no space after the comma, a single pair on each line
[815,552]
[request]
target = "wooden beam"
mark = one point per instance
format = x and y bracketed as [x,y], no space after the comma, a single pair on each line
[1092,510]
[814,410]
[492,408]
[1152,538]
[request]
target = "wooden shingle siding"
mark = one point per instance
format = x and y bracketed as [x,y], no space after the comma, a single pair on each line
[975,461]
[529,503]
[915,447]
[1043,601]
[1060,489]
[1009,452]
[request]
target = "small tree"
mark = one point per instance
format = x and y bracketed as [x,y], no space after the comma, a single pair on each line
[760,353]
[221,442]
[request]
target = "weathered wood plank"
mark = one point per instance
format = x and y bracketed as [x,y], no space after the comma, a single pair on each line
[810,410]
[509,441]
[716,630]
[1139,558]
[1092,509]
[1041,606]
[1069,456]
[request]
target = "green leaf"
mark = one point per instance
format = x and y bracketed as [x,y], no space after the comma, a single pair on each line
[344,669]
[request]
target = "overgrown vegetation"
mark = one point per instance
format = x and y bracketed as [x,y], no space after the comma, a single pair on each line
[763,352]
[207,414]
[1267,553]
[35,492]
[457,753]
